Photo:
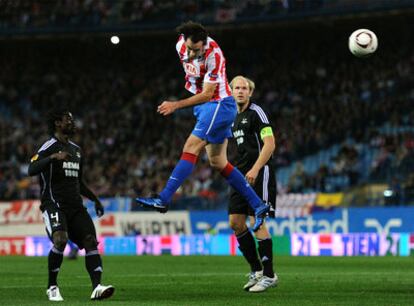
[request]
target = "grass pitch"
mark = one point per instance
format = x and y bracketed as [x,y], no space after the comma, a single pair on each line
[214,280]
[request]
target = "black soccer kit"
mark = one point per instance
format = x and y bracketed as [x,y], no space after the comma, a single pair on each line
[60,182]
[248,129]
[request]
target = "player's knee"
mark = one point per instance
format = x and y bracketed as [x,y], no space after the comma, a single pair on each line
[90,243]
[262,232]
[60,240]
[194,145]
[217,163]
[237,227]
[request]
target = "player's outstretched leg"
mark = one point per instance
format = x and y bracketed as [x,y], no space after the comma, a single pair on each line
[181,171]
[260,214]
[155,203]
[239,183]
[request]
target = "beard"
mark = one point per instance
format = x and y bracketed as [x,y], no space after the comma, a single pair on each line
[69,130]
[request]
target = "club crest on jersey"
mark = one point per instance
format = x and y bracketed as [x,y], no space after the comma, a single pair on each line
[191,69]
[78,154]
[244,121]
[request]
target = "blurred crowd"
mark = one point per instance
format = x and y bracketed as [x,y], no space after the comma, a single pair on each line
[38,14]
[92,13]
[113,92]
[381,158]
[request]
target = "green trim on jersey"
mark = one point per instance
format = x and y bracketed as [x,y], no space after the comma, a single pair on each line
[266,131]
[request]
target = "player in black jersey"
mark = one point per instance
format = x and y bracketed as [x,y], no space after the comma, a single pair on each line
[59,166]
[253,133]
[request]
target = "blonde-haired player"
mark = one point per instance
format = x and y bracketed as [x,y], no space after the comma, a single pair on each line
[253,133]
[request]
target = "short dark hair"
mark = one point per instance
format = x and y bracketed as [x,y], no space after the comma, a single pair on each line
[193,30]
[56,114]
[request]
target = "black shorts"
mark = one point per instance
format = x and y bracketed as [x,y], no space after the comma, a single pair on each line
[265,188]
[77,223]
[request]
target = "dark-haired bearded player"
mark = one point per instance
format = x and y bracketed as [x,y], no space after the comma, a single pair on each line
[215,109]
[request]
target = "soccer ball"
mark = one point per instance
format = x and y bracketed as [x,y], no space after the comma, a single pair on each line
[362,43]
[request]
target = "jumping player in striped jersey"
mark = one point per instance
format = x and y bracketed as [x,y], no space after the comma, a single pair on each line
[215,109]
[58,163]
[253,133]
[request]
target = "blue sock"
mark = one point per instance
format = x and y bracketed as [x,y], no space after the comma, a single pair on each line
[181,171]
[239,183]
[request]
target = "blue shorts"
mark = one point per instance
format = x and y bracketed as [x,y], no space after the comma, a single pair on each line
[214,120]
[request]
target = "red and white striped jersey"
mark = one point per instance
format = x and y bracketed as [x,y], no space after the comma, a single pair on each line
[210,68]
